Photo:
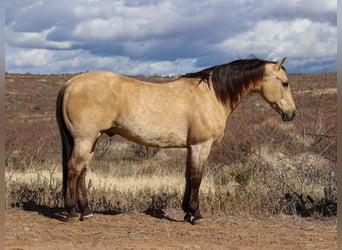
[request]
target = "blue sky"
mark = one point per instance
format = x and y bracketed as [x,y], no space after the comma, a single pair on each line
[171,37]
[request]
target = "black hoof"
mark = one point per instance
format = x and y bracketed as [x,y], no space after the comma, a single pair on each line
[188,218]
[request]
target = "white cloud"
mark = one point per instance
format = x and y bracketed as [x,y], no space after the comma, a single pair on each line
[29,58]
[47,61]
[129,23]
[35,40]
[295,38]
[164,37]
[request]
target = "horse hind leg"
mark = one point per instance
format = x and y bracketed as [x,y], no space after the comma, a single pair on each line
[76,193]
[83,203]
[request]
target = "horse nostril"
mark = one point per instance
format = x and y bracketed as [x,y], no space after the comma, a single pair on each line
[288,116]
[284,117]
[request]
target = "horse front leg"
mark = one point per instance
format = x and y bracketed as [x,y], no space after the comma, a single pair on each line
[196,159]
[187,190]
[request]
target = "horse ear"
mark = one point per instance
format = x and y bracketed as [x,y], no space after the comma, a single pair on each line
[278,65]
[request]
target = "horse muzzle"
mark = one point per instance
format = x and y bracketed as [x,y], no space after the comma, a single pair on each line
[288,115]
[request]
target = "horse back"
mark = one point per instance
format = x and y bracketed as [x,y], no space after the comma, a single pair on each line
[161,115]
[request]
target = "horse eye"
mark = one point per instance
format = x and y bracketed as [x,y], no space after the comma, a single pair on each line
[285,84]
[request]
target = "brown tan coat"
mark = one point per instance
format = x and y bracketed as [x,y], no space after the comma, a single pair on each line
[188,112]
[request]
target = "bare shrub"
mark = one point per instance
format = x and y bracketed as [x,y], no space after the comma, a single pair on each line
[30,145]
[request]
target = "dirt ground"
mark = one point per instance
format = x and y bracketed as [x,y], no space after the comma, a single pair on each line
[41,230]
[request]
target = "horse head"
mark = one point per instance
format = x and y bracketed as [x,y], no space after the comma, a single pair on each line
[276,90]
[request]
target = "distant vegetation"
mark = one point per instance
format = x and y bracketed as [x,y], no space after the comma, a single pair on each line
[263,166]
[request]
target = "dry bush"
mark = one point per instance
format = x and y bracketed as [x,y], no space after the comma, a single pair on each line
[31,145]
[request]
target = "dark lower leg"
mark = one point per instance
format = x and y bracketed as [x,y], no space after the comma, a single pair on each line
[197,156]
[70,199]
[185,203]
[186,197]
[82,194]
[194,203]
[84,207]
[190,202]
[71,207]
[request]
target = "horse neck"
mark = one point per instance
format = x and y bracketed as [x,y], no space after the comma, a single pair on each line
[233,105]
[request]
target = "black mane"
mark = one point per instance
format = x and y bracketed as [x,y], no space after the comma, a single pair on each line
[231,79]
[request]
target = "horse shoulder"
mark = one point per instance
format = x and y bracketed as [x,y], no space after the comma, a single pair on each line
[208,118]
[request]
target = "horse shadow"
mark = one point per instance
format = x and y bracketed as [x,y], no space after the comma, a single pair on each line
[58,213]
[155,210]
[157,206]
[46,211]
[160,214]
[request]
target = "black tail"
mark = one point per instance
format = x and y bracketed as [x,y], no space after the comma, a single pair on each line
[67,139]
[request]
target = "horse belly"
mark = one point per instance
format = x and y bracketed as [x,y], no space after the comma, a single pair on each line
[155,134]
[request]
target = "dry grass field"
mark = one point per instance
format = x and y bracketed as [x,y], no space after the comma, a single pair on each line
[266,178]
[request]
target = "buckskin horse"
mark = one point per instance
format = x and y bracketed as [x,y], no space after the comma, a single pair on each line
[189,112]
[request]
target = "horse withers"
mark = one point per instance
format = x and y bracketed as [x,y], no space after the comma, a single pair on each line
[189,112]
